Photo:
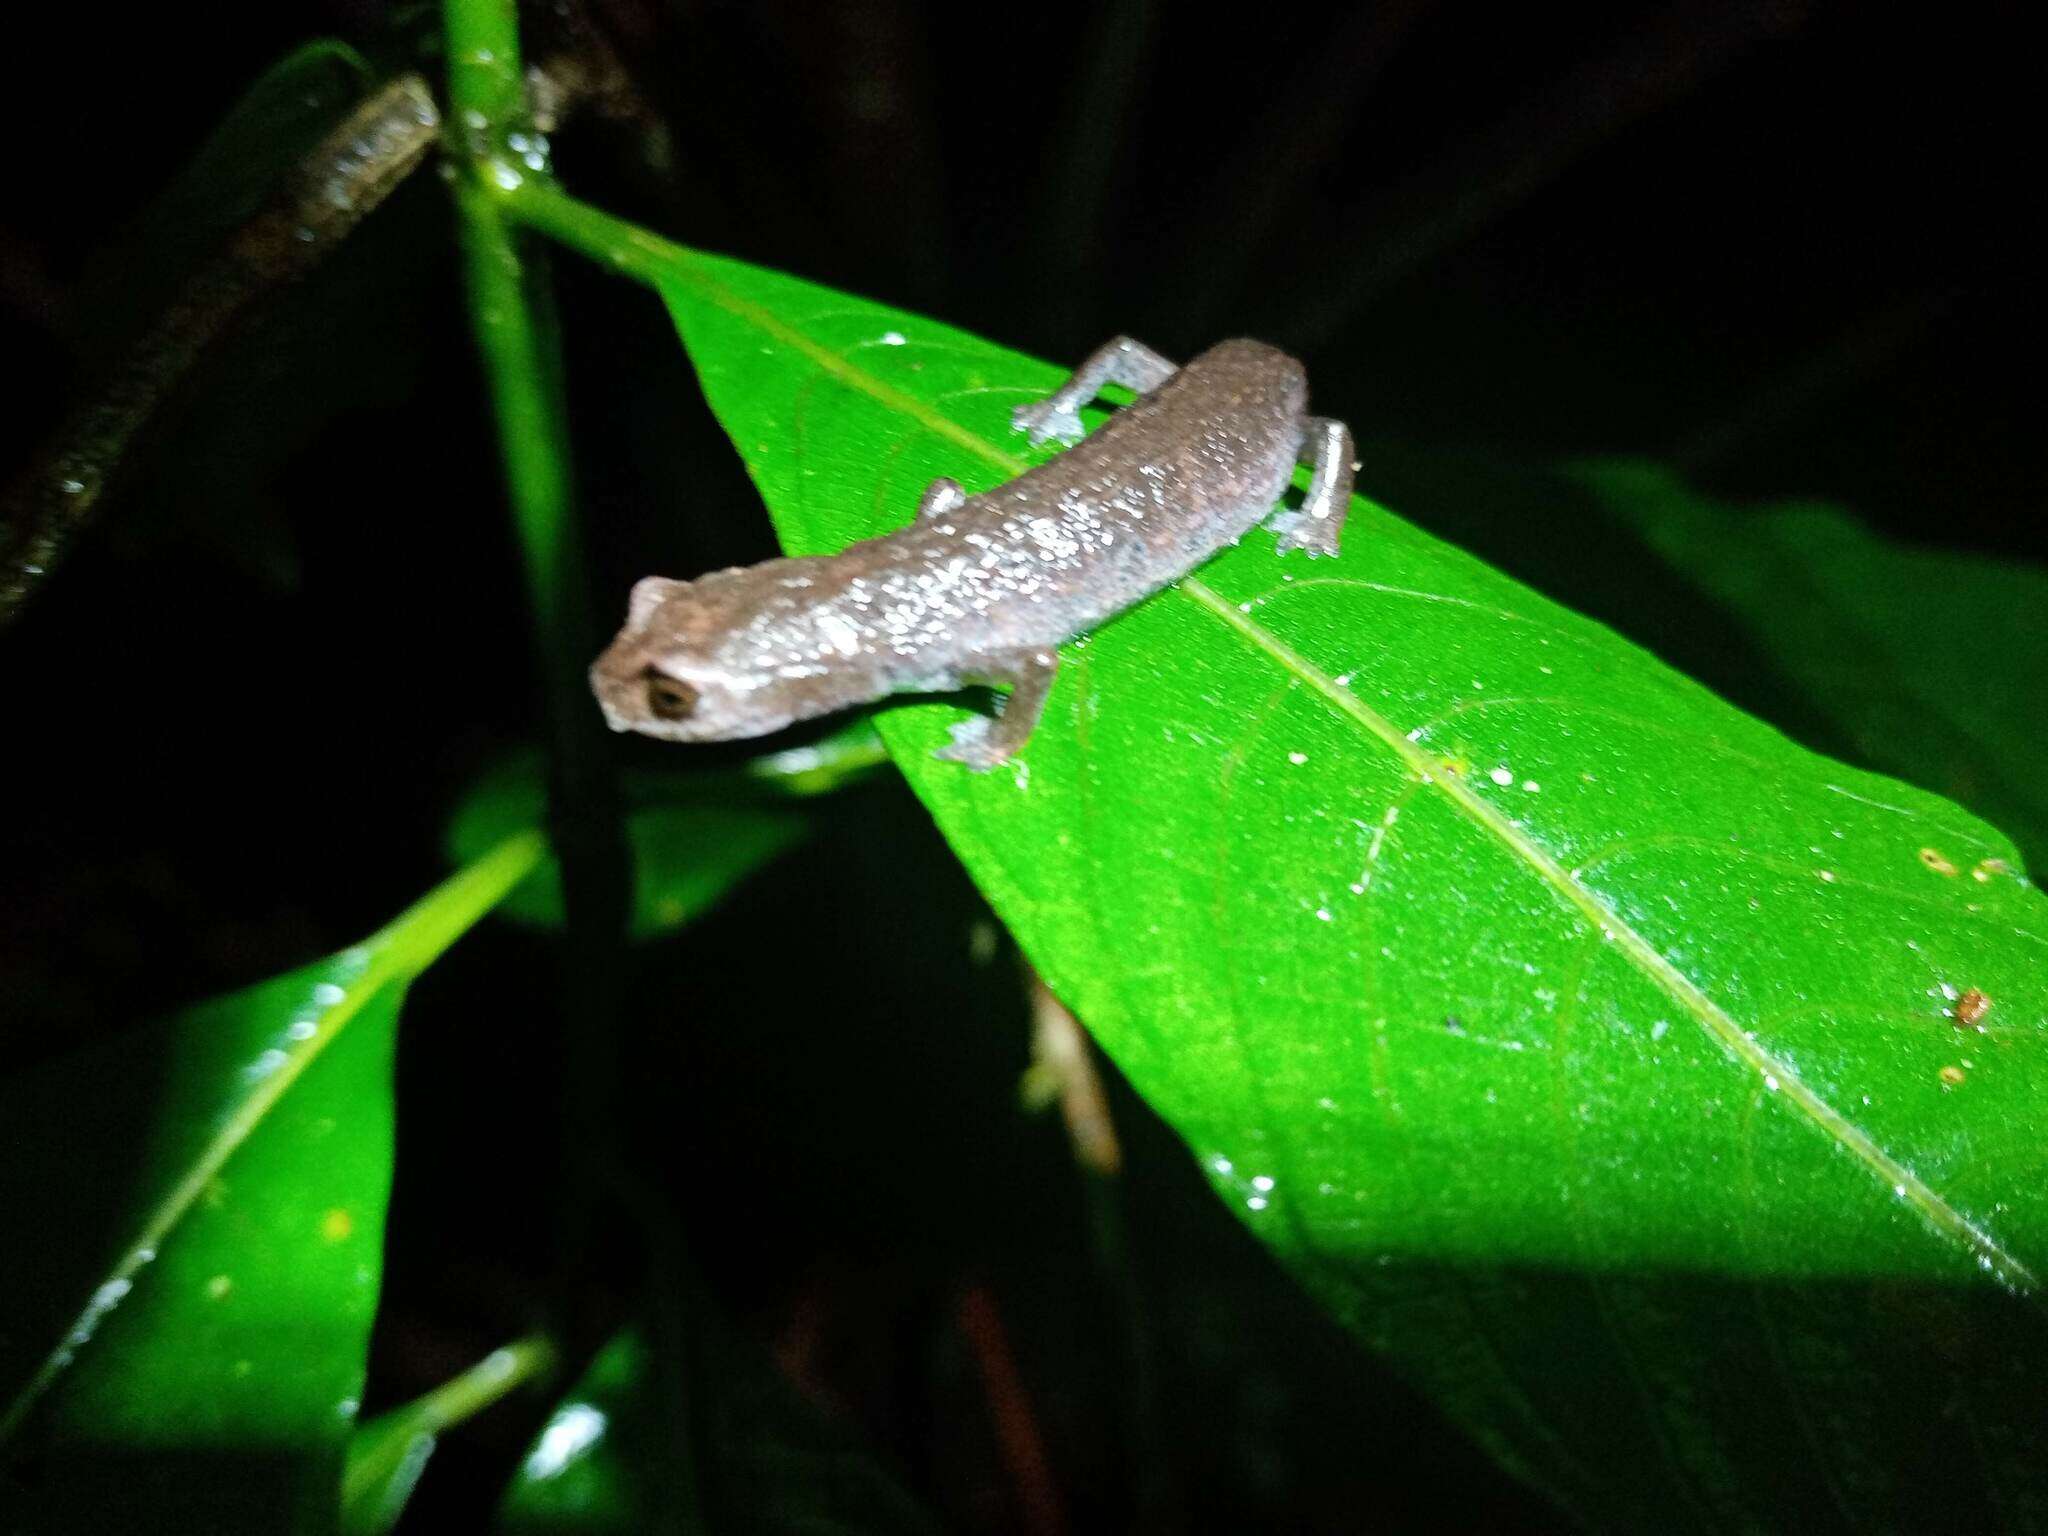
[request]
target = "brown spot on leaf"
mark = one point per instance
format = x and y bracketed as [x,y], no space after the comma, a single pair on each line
[1934,861]
[1969,1008]
[1953,1077]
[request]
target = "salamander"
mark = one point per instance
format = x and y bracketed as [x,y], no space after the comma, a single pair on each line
[980,590]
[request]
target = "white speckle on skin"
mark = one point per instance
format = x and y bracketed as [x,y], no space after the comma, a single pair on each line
[1297,758]
[1502,777]
[891,338]
[1530,786]
[839,634]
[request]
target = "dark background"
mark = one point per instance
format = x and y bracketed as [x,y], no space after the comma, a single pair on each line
[1786,247]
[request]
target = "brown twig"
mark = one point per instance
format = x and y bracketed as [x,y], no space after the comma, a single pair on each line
[1063,1067]
[345,176]
[1041,1510]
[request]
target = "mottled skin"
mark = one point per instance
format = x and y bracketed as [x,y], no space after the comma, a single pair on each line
[982,589]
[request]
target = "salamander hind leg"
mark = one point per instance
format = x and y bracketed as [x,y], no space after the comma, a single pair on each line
[1121,361]
[982,743]
[1326,448]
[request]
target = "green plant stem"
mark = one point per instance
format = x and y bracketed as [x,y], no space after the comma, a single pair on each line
[511,305]
[824,767]
[485,88]
[512,315]
[387,1454]
[610,241]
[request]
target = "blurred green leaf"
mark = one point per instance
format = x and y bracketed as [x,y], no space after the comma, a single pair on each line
[1574,1036]
[691,844]
[1933,664]
[579,1474]
[194,1219]
[766,1460]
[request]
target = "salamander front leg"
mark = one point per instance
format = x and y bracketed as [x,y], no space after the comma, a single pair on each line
[1326,448]
[943,495]
[1122,361]
[982,743]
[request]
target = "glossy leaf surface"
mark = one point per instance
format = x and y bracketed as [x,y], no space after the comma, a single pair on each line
[194,1223]
[1571,1033]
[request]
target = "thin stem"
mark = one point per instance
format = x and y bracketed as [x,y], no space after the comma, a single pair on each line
[610,241]
[824,767]
[387,1455]
[512,315]
[495,148]
[485,91]
[348,173]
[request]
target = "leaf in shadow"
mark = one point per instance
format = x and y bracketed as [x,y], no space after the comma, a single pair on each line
[1932,664]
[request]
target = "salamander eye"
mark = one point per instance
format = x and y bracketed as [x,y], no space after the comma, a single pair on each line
[668,699]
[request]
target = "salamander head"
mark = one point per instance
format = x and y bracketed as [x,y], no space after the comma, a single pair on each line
[693,662]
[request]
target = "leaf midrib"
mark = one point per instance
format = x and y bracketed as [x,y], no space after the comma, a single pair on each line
[1944,1218]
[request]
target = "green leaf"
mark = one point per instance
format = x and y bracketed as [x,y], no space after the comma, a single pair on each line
[766,1461]
[200,1209]
[1933,663]
[691,842]
[576,1476]
[1573,1035]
